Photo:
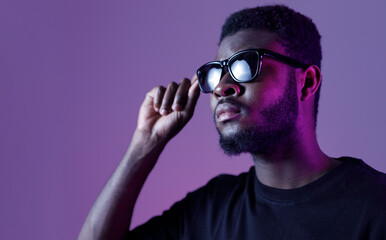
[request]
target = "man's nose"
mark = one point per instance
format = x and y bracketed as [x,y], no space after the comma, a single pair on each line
[227,87]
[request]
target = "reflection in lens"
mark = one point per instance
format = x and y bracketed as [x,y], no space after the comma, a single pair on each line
[241,70]
[212,78]
[245,65]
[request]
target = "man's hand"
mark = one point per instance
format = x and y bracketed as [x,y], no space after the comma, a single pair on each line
[165,111]
[162,115]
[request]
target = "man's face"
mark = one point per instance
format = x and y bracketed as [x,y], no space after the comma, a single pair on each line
[256,116]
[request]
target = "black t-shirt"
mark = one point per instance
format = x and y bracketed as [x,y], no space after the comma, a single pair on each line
[348,202]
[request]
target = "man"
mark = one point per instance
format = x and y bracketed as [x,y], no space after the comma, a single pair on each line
[264,88]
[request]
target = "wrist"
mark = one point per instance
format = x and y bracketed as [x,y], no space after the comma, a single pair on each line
[144,148]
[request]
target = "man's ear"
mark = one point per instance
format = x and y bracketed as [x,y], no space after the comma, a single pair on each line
[311,82]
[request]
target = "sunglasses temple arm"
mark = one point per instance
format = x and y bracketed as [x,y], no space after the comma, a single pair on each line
[290,61]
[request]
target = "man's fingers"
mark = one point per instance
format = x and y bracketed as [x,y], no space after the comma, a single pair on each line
[180,98]
[159,93]
[193,94]
[168,98]
[175,97]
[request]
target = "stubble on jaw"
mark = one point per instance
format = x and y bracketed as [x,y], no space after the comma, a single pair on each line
[279,125]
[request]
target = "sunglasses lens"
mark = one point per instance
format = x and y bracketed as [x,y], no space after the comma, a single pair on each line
[209,76]
[244,66]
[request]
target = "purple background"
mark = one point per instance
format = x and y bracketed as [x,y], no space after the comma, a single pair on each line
[74,73]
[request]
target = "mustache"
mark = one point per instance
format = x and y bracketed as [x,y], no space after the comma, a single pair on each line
[232,101]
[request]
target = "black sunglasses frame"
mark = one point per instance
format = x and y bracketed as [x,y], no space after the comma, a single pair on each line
[260,53]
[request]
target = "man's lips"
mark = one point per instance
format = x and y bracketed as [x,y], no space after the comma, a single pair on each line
[226,112]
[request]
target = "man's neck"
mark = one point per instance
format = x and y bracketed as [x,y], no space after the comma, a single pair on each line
[293,167]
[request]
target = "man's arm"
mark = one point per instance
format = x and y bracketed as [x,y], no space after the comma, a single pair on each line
[164,112]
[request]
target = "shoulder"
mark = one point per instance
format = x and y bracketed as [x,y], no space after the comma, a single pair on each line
[376,183]
[194,212]
[363,175]
[370,194]
[222,185]
[228,180]
[366,182]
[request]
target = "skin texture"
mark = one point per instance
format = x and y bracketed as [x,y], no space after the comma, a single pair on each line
[294,161]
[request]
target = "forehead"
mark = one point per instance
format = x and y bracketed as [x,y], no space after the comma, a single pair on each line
[247,39]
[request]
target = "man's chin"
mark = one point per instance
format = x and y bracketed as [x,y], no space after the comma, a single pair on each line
[229,129]
[229,146]
[254,141]
[242,142]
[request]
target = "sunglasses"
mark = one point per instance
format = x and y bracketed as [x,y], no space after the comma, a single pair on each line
[243,66]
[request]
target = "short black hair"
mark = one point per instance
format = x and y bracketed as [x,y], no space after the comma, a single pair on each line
[297,33]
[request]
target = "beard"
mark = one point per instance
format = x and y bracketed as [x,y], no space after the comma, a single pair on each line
[279,124]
